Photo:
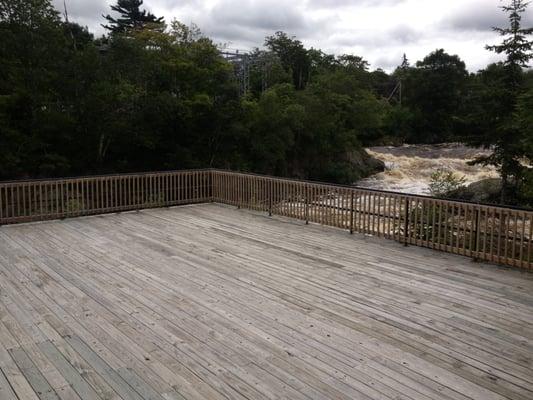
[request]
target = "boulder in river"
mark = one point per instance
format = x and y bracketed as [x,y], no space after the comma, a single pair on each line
[364,164]
[483,191]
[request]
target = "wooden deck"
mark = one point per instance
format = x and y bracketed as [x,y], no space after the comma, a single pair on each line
[210,302]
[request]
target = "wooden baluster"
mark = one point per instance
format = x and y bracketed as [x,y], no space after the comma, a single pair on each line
[530,241]
[515,234]
[473,245]
[507,227]
[499,238]
[316,200]
[36,200]
[482,230]
[105,191]
[2,204]
[453,223]
[197,194]
[362,199]
[17,200]
[368,204]
[431,241]
[455,228]
[387,213]
[325,205]
[24,205]
[464,228]
[416,227]
[372,213]
[446,227]
[406,221]
[351,212]
[12,202]
[109,193]
[492,238]
[522,239]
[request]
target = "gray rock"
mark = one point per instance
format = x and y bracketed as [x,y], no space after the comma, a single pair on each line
[484,191]
[364,164]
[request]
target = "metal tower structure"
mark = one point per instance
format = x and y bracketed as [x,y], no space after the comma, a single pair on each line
[241,63]
[244,62]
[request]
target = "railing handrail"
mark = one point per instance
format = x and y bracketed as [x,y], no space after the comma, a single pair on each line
[369,190]
[278,178]
[110,175]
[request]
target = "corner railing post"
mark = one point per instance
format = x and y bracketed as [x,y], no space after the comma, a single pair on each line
[406,227]
[351,211]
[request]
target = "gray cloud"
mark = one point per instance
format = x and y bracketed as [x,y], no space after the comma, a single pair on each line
[476,15]
[399,35]
[263,15]
[85,13]
[389,61]
[82,9]
[351,3]
[379,30]
[248,22]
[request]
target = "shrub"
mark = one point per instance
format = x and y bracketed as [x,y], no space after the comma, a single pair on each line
[444,181]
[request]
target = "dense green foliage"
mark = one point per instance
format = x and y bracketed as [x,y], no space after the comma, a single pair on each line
[146,98]
[152,96]
[503,99]
[444,182]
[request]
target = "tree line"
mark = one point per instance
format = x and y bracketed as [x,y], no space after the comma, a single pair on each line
[151,95]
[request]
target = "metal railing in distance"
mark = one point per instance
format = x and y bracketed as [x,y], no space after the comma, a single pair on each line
[483,232]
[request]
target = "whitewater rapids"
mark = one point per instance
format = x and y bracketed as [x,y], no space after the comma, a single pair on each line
[409,167]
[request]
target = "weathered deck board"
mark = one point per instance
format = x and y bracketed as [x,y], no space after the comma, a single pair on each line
[211,302]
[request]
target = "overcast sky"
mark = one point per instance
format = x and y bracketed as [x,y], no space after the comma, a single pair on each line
[378,30]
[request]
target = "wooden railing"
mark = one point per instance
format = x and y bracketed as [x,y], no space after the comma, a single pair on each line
[483,232]
[24,201]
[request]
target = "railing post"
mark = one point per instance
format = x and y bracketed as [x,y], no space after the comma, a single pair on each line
[406,227]
[351,212]
[270,199]
[306,204]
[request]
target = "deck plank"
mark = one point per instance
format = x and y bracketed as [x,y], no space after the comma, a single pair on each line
[212,302]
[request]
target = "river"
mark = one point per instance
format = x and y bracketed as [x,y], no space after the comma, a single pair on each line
[409,167]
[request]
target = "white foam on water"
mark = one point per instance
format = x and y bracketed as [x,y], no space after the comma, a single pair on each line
[409,167]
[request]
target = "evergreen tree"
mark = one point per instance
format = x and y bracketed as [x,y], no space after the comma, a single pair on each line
[505,136]
[132,18]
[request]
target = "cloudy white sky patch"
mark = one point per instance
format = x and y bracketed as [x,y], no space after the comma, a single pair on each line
[378,30]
